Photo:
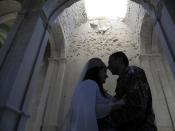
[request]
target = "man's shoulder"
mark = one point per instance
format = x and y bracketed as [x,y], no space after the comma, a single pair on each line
[136,70]
[132,73]
[133,67]
[138,73]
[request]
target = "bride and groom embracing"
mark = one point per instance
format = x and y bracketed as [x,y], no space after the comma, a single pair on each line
[93,109]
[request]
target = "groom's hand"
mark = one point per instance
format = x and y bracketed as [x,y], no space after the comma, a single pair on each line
[117,104]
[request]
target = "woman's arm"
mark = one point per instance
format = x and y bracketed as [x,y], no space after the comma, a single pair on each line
[103,110]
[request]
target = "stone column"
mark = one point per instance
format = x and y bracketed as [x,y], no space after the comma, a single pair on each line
[55,96]
[36,124]
[161,90]
[20,59]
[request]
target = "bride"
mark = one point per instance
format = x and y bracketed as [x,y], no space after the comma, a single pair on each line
[90,103]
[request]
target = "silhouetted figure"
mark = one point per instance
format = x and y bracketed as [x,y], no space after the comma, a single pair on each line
[132,87]
[90,101]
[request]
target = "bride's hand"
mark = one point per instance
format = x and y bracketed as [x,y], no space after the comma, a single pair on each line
[117,104]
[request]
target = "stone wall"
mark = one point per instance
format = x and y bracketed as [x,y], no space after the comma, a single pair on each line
[102,37]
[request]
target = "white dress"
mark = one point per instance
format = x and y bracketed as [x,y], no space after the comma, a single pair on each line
[87,105]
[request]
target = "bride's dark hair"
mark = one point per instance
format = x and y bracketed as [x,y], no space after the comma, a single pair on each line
[93,75]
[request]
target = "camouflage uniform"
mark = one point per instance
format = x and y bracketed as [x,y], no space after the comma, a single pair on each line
[137,113]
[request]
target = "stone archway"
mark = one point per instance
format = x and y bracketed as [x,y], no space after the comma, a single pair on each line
[25,51]
[47,95]
[159,74]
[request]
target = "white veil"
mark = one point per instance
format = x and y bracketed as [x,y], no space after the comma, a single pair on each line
[93,62]
[70,120]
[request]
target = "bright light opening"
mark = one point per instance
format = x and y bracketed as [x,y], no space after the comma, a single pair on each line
[106,8]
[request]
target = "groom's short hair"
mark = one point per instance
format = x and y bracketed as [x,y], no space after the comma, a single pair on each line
[120,54]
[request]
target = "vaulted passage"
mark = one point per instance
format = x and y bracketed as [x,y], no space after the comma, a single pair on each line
[42,54]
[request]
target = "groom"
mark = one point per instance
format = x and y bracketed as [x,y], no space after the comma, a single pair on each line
[132,86]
